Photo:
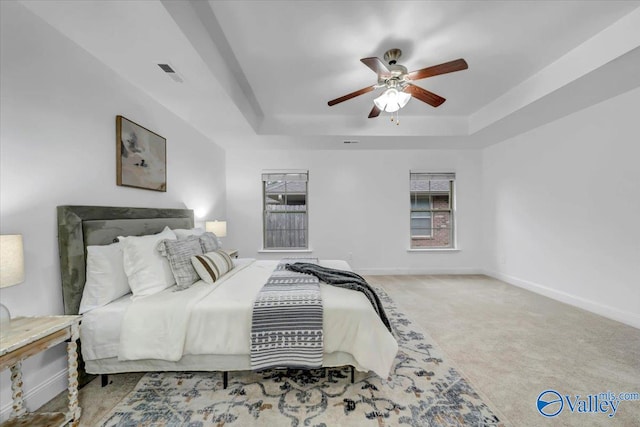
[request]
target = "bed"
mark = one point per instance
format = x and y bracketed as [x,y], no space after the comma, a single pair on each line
[353,334]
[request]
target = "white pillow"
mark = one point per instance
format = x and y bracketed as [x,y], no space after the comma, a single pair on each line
[183,233]
[106,279]
[148,271]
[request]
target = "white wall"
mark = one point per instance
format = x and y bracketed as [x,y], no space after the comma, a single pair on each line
[562,209]
[559,205]
[57,146]
[358,206]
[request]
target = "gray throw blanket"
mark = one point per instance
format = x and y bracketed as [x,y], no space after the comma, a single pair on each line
[286,326]
[344,279]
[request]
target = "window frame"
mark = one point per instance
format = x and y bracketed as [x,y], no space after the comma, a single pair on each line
[275,176]
[432,210]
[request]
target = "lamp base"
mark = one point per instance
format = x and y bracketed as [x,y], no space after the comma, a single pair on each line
[5,320]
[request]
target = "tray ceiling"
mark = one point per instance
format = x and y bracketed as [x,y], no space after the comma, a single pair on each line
[260,73]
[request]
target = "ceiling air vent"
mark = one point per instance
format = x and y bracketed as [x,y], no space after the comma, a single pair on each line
[167,68]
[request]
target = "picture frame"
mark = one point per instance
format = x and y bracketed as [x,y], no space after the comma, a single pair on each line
[141,156]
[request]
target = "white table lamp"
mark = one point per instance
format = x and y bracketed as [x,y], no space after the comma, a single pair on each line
[11,271]
[219,228]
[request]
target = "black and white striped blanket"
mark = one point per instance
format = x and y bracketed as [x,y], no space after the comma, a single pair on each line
[286,327]
[343,279]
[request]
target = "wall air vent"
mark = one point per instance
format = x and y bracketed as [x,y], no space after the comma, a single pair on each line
[167,68]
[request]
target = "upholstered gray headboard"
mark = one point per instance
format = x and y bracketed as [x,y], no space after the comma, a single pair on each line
[81,226]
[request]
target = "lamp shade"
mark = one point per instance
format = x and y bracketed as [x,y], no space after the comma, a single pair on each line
[11,260]
[392,100]
[219,228]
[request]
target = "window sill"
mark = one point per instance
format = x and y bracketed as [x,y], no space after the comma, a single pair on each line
[275,251]
[434,250]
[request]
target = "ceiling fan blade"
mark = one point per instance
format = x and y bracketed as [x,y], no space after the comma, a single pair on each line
[436,70]
[424,95]
[351,95]
[376,65]
[375,112]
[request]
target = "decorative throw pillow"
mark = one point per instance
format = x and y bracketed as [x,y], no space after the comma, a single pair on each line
[209,242]
[212,265]
[148,271]
[179,253]
[106,279]
[183,233]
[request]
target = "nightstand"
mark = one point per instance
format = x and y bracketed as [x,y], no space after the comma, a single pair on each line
[29,336]
[233,253]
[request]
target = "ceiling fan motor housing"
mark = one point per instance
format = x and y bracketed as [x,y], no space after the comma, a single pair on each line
[392,56]
[397,72]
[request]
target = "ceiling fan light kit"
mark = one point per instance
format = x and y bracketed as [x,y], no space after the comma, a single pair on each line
[397,82]
[391,100]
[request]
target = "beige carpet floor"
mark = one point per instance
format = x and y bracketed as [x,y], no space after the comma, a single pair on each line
[510,343]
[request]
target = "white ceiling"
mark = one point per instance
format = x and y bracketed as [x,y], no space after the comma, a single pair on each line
[260,73]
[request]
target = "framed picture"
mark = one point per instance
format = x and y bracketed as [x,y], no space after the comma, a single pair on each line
[141,156]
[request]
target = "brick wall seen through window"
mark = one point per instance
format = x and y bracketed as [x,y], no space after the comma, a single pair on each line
[431,212]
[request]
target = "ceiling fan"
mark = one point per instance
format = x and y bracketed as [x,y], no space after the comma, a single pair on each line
[398,83]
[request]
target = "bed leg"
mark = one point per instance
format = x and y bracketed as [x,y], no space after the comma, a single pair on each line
[105,379]
[225,379]
[352,374]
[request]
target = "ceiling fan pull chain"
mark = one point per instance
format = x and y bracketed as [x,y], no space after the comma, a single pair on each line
[397,118]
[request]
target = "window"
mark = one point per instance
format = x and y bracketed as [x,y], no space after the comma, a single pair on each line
[431,215]
[285,210]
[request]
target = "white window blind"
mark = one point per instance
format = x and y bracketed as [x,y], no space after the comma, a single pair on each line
[285,176]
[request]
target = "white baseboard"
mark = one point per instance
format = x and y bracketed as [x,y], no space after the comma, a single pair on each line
[626,317]
[39,395]
[408,271]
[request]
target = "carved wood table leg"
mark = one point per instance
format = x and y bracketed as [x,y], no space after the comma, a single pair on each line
[29,336]
[16,391]
[72,361]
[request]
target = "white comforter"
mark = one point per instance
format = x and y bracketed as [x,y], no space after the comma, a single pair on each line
[216,319]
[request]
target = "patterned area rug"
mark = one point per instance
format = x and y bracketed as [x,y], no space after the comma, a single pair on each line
[424,389]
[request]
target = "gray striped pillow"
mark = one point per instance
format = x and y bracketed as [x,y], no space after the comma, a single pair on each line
[212,265]
[209,242]
[179,253]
